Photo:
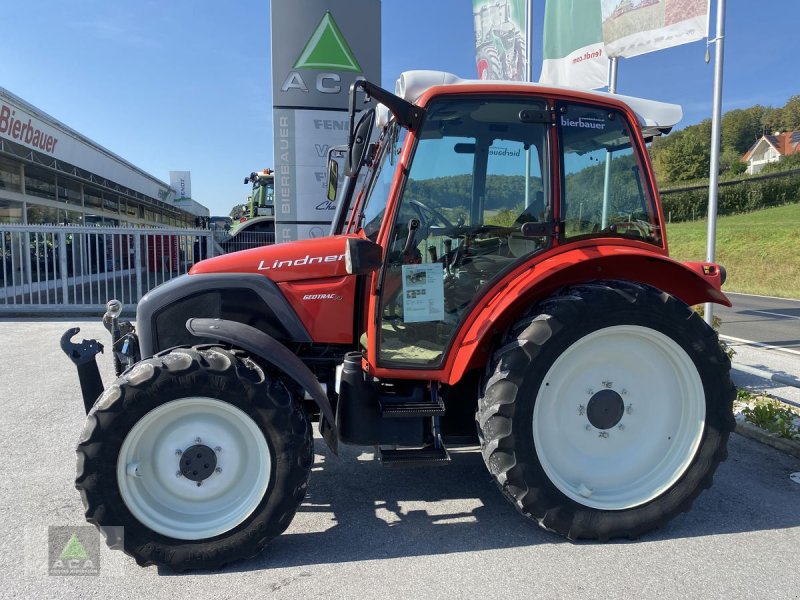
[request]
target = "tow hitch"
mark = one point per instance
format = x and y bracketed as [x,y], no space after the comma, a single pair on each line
[83,356]
[124,346]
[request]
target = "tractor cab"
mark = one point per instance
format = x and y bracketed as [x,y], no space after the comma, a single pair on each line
[476,183]
[261,202]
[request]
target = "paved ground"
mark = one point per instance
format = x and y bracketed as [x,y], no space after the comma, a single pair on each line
[369,532]
[768,362]
[765,333]
[772,321]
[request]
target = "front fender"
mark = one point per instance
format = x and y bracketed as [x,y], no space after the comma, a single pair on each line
[272,351]
[693,283]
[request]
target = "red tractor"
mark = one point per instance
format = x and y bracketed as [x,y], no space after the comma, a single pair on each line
[500,278]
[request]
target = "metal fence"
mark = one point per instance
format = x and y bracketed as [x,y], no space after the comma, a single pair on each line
[64,268]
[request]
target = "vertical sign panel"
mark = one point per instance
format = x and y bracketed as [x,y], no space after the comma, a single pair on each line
[573,53]
[501,40]
[181,182]
[319,48]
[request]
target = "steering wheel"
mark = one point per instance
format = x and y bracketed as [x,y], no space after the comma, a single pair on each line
[627,227]
[432,217]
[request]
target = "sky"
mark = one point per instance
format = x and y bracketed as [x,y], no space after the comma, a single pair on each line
[186,85]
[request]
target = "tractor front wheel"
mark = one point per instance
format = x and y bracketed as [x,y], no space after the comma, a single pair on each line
[608,411]
[194,458]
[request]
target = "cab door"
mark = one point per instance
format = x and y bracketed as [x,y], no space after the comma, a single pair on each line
[479,173]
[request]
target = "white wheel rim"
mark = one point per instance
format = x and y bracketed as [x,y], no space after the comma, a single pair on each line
[175,506]
[649,449]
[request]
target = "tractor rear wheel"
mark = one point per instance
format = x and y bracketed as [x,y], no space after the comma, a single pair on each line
[193,459]
[608,410]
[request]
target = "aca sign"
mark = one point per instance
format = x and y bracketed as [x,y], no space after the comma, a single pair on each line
[319,49]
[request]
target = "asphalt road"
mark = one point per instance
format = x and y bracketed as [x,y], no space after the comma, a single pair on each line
[764,332]
[771,321]
[369,532]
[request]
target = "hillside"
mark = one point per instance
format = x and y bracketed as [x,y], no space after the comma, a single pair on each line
[758,249]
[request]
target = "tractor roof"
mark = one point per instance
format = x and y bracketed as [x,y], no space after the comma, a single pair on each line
[655,117]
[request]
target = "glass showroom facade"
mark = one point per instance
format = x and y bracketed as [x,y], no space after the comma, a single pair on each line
[37,186]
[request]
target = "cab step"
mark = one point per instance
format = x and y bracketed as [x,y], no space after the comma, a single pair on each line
[429,456]
[415,405]
[391,409]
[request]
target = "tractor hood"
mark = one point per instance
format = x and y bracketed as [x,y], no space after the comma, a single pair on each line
[290,261]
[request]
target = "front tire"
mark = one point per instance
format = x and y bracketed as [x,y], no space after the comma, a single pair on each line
[193,459]
[608,411]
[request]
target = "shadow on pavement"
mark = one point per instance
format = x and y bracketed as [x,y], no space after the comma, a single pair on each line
[362,511]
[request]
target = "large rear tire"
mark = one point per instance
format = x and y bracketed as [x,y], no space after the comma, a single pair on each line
[193,459]
[608,411]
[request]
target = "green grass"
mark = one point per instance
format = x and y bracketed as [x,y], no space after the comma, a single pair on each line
[760,250]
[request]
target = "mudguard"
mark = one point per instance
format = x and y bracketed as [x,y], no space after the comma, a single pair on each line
[693,283]
[272,351]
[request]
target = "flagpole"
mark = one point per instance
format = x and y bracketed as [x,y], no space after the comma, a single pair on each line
[612,74]
[612,89]
[529,38]
[713,179]
[528,78]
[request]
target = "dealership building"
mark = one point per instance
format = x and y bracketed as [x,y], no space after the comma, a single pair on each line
[51,174]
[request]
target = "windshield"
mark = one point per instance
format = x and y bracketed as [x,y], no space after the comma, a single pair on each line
[380,181]
[269,193]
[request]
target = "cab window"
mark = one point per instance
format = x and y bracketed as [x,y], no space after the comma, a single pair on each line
[603,190]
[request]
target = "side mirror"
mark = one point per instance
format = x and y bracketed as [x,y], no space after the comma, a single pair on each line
[360,142]
[362,256]
[333,178]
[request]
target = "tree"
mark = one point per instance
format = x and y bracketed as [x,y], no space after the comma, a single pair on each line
[684,155]
[730,162]
[740,128]
[771,120]
[790,114]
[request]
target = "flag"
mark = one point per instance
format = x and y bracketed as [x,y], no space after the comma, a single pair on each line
[633,27]
[573,45]
[501,44]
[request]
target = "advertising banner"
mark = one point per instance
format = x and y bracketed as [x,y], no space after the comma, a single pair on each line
[181,182]
[634,27]
[501,41]
[573,52]
[319,48]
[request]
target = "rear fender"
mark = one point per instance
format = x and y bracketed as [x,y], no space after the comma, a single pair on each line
[273,352]
[693,283]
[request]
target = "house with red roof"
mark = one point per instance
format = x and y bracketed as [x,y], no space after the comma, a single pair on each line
[770,149]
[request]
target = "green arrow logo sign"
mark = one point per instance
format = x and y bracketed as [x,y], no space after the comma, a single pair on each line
[327,49]
[74,550]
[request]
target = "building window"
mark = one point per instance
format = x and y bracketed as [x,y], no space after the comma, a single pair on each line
[130,208]
[69,217]
[69,191]
[10,178]
[111,202]
[92,198]
[42,215]
[10,211]
[39,182]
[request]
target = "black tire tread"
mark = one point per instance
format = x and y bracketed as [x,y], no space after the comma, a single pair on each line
[212,369]
[529,490]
